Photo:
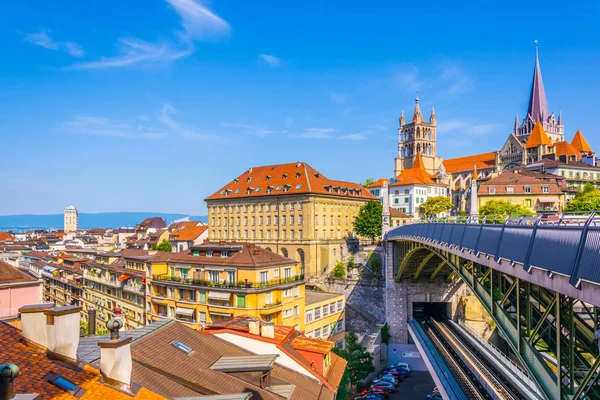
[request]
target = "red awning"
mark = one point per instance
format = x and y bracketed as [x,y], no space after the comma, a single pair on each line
[124,277]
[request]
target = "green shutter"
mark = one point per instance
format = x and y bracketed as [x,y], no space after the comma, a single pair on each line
[241,301]
[202,297]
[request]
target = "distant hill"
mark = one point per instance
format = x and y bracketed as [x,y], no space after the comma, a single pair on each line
[86,220]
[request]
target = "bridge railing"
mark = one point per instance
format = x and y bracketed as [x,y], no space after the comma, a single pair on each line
[565,243]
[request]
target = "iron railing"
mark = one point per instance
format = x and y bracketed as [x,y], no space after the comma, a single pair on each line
[226,284]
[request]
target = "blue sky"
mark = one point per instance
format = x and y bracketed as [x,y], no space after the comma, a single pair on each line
[154,105]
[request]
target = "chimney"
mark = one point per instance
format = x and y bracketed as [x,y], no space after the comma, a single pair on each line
[254,326]
[33,324]
[62,332]
[115,358]
[8,373]
[268,330]
[91,321]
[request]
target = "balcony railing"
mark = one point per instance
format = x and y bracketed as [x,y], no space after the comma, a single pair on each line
[226,284]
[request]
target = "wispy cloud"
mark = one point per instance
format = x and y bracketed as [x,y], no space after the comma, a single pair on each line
[249,129]
[181,129]
[337,98]
[100,126]
[272,60]
[43,39]
[326,133]
[467,127]
[198,23]
[133,51]
[408,78]
[455,79]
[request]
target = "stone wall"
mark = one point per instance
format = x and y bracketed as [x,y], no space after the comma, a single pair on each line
[367,294]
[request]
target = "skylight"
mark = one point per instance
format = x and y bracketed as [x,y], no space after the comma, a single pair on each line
[182,347]
[298,186]
[279,187]
[64,384]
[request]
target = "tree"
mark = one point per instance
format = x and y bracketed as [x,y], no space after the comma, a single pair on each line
[504,209]
[351,264]
[165,245]
[339,271]
[368,221]
[385,333]
[360,361]
[435,206]
[368,182]
[586,200]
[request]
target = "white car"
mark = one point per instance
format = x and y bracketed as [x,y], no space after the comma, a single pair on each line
[401,365]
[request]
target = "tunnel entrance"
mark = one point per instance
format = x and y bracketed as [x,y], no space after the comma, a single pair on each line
[424,310]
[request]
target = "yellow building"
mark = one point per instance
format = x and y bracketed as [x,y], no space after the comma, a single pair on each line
[324,316]
[290,209]
[216,281]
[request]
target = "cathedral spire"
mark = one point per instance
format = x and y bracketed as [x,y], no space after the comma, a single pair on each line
[417,116]
[402,119]
[516,123]
[432,117]
[538,105]
[560,118]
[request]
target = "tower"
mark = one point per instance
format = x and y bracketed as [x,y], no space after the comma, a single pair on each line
[71,219]
[538,110]
[418,136]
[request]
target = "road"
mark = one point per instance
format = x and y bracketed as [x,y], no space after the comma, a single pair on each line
[416,387]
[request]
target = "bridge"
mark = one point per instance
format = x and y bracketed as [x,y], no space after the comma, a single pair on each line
[538,279]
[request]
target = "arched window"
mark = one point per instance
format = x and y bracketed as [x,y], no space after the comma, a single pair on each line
[301,257]
[180,247]
[268,249]
[284,252]
[429,134]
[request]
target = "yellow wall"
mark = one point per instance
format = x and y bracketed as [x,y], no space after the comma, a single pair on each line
[527,200]
[333,320]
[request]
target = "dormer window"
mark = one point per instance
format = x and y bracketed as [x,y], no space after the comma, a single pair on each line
[249,179]
[298,174]
[236,180]
[284,176]
[249,190]
[286,188]
[270,189]
[209,253]
[224,254]
[510,189]
[268,177]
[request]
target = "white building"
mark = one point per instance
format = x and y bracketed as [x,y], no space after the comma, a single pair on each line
[71,219]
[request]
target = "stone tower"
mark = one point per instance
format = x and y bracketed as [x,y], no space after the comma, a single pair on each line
[71,219]
[418,136]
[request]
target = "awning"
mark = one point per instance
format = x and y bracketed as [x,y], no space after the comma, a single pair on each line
[219,269]
[184,311]
[219,296]
[123,278]
[221,314]
[50,269]
[551,199]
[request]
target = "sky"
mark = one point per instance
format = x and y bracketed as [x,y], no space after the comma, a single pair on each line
[153,105]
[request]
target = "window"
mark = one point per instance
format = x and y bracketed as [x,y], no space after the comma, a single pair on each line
[241,301]
[527,189]
[332,308]
[296,291]
[209,253]
[264,276]
[202,317]
[317,333]
[182,347]
[340,305]
[291,220]
[213,276]
[269,298]
[224,254]
[268,220]
[406,199]
[527,202]
[317,313]
[202,297]
[296,311]
[287,293]
[300,235]
[260,220]
[309,316]
[325,331]
[64,384]
[230,276]
[546,189]
[492,190]
[325,310]
[287,313]
[396,200]
[291,235]
[510,189]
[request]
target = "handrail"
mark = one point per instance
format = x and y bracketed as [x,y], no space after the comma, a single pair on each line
[579,218]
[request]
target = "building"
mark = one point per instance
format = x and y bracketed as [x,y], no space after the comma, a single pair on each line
[17,288]
[216,281]
[184,235]
[576,173]
[291,209]
[411,188]
[149,225]
[324,317]
[71,219]
[536,192]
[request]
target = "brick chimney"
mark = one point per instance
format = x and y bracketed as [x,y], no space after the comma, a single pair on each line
[115,358]
[33,324]
[62,332]
[268,330]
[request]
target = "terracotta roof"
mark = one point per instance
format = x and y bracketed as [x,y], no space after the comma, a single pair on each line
[566,149]
[37,254]
[157,353]
[310,344]
[287,179]
[6,236]
[415,175]
[240,324]
[10,274]
[538,137]
[518,180]
[34,366]
[188,232]
[398,213]
[549,163]
[580,143]
[481,161]
[379,182]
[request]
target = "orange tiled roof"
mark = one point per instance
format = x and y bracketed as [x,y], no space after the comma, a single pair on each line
[379,182]
[481,161]
[291,178]
[415,175]
[188,232]
[6,236]
[567,149]
[34,365]
[580,143]
[538,137]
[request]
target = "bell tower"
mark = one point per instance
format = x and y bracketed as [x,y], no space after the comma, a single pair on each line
[418,136]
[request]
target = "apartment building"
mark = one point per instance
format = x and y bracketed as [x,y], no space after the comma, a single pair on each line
[217,281]
[324,316]
[290,209]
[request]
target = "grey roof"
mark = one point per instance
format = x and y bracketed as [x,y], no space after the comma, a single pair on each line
[230,396]
[89,351]
[313,296]
[263,362]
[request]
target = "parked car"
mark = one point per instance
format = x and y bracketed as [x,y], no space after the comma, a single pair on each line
[401,365]
[372,396]
[434,396]
[387,386]
[391,378]
[380,391]
[399,371]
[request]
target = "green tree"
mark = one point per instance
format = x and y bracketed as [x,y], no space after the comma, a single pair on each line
[385,333]
[504,209]
[339,271]
[165,245]
[368,182]
[435,206]
[368,221]
[350,264]
[360,361]
[344,390]
[586,200]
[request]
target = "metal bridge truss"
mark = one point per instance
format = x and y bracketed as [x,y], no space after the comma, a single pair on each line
[550,333]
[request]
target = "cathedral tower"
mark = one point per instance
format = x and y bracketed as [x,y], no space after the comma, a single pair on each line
[418,136]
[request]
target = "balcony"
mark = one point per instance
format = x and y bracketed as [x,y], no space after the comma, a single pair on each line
[229,285]
[114,283]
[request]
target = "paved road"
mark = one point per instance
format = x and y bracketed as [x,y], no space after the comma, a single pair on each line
[416,387]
